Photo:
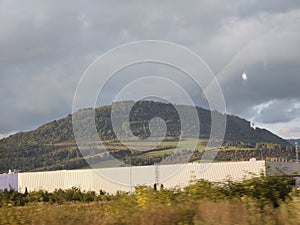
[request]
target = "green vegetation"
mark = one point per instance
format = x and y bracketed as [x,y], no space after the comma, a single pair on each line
[52,146]
[260,200]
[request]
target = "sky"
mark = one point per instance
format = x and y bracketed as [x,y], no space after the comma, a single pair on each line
[252,47]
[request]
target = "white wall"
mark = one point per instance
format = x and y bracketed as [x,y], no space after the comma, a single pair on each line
[125,178]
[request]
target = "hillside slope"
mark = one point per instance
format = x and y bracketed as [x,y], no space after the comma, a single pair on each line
[52,146]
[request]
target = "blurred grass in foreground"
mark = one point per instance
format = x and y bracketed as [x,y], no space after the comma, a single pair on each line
[200,212]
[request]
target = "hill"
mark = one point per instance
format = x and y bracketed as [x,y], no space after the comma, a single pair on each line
[52,146]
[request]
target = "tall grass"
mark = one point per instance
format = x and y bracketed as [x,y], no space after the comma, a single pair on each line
[232,211]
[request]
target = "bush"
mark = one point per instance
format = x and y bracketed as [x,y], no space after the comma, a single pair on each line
[263,190]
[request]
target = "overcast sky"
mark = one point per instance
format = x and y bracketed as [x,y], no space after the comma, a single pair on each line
[45,47]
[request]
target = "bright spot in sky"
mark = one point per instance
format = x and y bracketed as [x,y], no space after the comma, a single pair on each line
[244,76]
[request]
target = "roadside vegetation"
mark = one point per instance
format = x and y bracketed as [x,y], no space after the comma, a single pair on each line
[259,200]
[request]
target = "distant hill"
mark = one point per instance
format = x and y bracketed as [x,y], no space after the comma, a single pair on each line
[293,141]
[52,146]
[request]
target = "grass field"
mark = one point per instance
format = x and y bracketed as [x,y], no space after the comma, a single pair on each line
[148,149]
[199,212]
[105,164]
[188,143]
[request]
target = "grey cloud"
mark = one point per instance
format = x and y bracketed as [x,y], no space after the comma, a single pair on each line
[270,60]
[277,111]
[46,46]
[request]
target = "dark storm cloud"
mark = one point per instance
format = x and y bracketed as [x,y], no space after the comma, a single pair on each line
[45,46]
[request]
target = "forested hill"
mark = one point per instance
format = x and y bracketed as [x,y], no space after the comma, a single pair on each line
[53,144]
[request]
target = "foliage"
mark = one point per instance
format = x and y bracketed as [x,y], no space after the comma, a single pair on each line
[259,200]
[264,189]
[59,196]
